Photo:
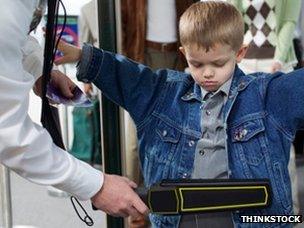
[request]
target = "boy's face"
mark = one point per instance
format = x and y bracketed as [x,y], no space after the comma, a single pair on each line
[212,69]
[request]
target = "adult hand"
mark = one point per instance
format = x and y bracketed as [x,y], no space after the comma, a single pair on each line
[276,66]
[60,81]
[70,53]
[117,198]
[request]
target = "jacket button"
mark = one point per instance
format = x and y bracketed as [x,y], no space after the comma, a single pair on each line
[244,132]
[242,85]
[241,134]
[208,113]
[191,143]
[185,175]
[164,133]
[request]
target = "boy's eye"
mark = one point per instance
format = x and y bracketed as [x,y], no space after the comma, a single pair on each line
[196,65]
[219,64]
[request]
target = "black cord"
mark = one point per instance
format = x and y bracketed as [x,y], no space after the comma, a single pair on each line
[56,37]
[87,219]
[47,116]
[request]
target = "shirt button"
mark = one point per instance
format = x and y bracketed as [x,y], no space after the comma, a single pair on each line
[165,133]
[206,135]
[191,143]
[208,113]
[201,152]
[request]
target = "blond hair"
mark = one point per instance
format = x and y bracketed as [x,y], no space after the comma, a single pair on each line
[207,23]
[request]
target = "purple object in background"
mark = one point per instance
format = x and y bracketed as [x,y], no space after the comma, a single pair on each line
[79,99]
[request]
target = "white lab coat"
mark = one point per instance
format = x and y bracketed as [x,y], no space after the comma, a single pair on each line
[26,147]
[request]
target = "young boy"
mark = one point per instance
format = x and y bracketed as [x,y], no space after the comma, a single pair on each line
[213,123]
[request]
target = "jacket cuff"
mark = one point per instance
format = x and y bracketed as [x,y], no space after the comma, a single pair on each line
[89,64]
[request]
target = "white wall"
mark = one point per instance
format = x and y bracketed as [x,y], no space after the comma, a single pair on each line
[73,6]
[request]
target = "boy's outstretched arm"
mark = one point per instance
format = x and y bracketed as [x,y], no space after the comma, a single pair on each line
[70,53]
[285,100]
[131,85]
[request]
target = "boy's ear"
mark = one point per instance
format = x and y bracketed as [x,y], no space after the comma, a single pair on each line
[182,50]
[241,53]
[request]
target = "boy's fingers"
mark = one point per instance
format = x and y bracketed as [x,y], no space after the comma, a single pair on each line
[60,60]
[61,44]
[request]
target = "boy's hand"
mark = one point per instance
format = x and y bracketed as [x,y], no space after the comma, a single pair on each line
[276,66]
[60,81]
[70,53]
[88,89]
[117,198]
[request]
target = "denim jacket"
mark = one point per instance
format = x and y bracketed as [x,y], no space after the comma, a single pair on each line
[262,114]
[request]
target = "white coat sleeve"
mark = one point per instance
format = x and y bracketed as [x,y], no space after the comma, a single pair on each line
[26,147]
[32,59]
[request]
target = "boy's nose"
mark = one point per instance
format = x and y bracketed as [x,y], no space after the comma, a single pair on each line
[207,75]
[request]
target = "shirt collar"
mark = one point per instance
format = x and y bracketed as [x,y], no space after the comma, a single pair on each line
[224,88]
[238,83]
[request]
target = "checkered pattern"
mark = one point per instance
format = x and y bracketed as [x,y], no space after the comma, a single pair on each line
[260,19]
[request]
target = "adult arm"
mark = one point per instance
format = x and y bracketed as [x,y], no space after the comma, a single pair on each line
[129,84]
[25,146]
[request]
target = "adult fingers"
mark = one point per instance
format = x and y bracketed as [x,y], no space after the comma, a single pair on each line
[139,205]
[133,212]
[130,183]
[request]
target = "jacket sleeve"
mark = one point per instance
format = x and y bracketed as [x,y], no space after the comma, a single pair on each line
[284,100]
[26,147]
[131,85]
[291,13]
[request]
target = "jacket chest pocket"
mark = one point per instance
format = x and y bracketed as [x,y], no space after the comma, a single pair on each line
[249,141]
[167,138]
[167,133]
[160,153]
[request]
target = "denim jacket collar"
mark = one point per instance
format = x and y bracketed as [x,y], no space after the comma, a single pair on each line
[239,83]
[194,92]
